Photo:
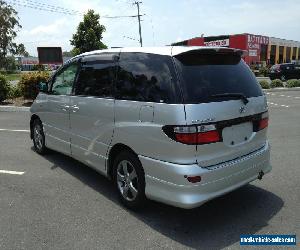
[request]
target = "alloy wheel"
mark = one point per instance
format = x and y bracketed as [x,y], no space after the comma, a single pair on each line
[127,180]
[38,136]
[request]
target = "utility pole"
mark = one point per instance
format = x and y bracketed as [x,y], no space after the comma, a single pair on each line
[139,18]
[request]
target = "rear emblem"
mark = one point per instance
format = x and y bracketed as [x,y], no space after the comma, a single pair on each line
[242,109]
[204,120]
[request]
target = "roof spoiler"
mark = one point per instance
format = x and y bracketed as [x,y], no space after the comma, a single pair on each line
[216,50]
[232,50]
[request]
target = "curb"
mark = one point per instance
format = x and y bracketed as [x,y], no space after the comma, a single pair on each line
[282,89]
[4,108]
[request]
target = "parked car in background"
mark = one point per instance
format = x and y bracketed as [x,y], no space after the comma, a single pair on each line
[285,71]
[180,125]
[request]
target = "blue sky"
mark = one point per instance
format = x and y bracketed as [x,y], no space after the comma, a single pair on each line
[166,21]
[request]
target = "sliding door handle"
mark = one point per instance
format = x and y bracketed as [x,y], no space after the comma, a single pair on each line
[65,107]
[75,108]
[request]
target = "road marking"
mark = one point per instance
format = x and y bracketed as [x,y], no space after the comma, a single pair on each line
[288,96]
[11,172]
[15,130]
[275,104]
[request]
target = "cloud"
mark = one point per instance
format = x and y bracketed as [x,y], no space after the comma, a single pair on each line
[166,21]
[49,29]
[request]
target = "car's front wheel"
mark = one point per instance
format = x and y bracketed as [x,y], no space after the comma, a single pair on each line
[129,179]
[38,137]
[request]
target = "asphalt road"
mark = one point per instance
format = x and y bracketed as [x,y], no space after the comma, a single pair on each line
[58,203]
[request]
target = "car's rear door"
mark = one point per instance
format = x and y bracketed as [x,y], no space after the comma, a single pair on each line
[219,89]
[290,71]
[297,70]
[92,109]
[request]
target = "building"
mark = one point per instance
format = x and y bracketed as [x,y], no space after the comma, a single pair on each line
[260,49]
[29,63]
[50,57]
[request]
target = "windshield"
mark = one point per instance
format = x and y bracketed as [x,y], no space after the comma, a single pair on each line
[205,76]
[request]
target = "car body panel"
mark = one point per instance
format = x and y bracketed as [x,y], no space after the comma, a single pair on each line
[56,123]
[214,153]
[92,126]
[166,182]
[147,138]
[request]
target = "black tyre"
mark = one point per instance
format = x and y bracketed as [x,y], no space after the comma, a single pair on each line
[129,179]
[283,78]
[38,137]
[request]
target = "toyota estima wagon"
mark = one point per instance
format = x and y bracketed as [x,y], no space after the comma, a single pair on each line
[179,125]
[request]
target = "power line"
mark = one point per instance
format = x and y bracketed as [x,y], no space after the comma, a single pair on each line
[59,9]
[121,16]
[47,6]
[131,38]
[152,32]
[56,9]
[44,7]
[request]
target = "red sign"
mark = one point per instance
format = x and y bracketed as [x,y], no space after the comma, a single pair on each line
[30,61]
[255,41]
[218,43]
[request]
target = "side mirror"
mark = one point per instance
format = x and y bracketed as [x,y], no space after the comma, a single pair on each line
[43,87]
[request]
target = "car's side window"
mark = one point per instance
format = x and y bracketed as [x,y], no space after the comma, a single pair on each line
[96,79]
[146,77]
[63,81]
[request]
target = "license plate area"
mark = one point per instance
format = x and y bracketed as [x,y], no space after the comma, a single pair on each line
[237,134]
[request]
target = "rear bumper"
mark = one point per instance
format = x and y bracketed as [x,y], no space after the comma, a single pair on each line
[165,182]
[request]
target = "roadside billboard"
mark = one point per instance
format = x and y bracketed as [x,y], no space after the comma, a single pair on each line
[50,55]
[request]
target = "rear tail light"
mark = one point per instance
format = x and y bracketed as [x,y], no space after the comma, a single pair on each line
[193,135]
[262,123]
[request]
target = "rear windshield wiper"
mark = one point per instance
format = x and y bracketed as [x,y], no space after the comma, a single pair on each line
[233,95]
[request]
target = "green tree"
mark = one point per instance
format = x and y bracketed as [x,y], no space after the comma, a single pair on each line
[89,34]
[9,25]
[11,63]
[67,53]
[21,50]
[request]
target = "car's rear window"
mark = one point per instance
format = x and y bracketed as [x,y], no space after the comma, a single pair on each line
[203,76]
[287,66]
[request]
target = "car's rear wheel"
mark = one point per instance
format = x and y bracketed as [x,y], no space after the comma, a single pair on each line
[38,137]
[283,78]
[129,179]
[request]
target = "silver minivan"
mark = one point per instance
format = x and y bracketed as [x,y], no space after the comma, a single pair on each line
[179,125]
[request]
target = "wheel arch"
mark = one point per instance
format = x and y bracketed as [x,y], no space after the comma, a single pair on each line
[112,154]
